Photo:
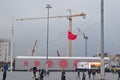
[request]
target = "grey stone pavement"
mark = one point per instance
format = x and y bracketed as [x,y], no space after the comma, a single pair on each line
[53,76]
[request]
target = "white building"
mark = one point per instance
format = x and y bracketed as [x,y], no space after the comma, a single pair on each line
[4,50]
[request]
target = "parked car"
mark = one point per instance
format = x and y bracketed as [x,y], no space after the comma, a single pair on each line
[9,69]
[115,69]
[2,68]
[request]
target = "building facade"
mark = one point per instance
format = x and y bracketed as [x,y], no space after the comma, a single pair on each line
[5,50]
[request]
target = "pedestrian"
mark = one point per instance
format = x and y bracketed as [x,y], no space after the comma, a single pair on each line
[63,75]
[34,69]
[37,75]
[5,70]
[93,74]
[42,74]
[47,73]
[89,74]
[78,76]
[83,78]
[118,74]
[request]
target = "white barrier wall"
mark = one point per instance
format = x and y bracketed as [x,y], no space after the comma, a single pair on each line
[54,63]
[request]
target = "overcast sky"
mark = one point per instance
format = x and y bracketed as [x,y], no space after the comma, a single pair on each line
[27,32]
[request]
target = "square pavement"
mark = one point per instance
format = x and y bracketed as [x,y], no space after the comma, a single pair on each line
[21,75]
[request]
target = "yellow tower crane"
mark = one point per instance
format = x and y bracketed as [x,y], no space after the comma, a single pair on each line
[69,17]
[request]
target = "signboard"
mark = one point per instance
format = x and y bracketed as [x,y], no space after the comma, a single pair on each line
[95,65]
[88,65]
[83,65]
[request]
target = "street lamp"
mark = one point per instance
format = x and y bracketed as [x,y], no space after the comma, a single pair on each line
[102,42]
[48,7]
[86,38]
[12,48]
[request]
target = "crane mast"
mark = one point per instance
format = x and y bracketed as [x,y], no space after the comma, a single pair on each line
[70,29]
[69,17]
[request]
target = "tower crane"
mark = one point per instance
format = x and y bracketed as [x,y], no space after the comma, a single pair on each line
[69,17]
[33,50]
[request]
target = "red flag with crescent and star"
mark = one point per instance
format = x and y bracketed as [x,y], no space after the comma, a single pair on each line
[71,36]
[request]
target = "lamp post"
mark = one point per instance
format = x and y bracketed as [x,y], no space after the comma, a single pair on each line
[86,38]
[48,7]
[12,48]
[102,42]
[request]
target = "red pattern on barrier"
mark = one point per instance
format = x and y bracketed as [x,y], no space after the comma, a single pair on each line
[50,63]
[26,63]
[37,63]
[75,63]
[63,63]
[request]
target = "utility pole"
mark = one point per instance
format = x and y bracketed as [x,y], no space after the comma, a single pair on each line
[102,42]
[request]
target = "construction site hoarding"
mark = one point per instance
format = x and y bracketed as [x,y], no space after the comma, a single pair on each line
[54,63]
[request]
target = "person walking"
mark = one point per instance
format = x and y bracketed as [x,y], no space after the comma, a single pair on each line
[83,78]
[63,75]
[42,74]
[78,75]
[5,71]
[37,76]
[34,69]
[118,74]
[93,74]
[89,74]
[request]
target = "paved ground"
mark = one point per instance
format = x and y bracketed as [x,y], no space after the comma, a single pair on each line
[53,76]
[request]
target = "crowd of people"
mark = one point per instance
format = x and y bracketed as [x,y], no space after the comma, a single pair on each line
[39,74]
[89,74]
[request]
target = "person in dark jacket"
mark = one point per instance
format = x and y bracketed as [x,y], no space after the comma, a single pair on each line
[83,78]
[118,74]
[34,69]
[42,74]
[63,75]
[93,74]
[89,74]
[78,75]
[5,71]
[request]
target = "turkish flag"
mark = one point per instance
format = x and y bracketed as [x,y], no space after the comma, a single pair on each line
[71,36]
